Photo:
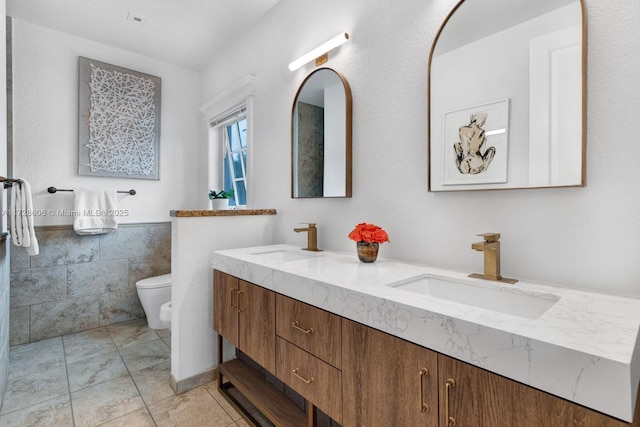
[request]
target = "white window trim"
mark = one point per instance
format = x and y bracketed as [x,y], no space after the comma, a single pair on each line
[240,93]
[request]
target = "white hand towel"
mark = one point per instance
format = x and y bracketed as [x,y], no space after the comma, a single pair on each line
[21,216]
[94,210]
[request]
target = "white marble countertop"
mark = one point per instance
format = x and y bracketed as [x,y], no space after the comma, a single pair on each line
[584,348]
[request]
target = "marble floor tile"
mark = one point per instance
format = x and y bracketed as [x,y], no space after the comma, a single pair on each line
[194,408]
[54,412]
[139,418]
[130,333]
[35,387]
[112,376]
[106,401]
[153,382]
[87,343]
[95,369]
[144,355]
[32,357]
[165,335]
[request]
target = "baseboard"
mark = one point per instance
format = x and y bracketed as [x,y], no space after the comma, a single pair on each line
[192,382]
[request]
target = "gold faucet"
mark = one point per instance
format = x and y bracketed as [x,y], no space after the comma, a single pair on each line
[491,248]
[312,237]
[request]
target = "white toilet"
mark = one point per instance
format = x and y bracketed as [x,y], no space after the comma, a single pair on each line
[155,296]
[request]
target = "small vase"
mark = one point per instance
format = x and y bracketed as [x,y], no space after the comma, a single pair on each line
[219,204]
[367,252]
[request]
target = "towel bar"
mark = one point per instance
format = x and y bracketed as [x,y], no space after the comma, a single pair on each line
[53,190]
[8,182]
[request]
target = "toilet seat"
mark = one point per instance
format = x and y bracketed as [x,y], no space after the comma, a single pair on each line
[155,282]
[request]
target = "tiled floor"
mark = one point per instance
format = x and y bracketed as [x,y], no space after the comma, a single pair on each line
[116,375]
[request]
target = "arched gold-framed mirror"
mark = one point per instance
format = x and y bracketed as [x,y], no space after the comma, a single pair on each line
[321,136]
[507,96]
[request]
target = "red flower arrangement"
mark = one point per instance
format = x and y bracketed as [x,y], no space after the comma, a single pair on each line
[369,233]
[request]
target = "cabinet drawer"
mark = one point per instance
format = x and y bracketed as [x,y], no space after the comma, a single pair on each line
[312,329]
[315,380]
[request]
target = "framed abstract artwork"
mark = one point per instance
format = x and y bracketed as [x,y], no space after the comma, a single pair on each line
[475,142]
[119,122]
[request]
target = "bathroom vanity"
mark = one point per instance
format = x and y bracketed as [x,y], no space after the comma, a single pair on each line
[392,343]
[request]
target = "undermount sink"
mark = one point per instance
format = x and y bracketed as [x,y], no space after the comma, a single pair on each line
[504,300]
[286,255]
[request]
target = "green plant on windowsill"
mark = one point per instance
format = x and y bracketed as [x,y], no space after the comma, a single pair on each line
[220,200]
[223,194]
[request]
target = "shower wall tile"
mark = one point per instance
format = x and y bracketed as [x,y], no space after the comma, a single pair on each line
[140,268]
[97,277]
[4,333]
[19,325]
[162,240]
[19,258]
[62,317]
[81,282]
[62,246]
[4,315]
[128,242]
[116,307]
[38,285]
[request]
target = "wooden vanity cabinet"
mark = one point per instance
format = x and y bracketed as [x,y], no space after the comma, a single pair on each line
[363,377]
[471,396]
[244,314]
[386,381]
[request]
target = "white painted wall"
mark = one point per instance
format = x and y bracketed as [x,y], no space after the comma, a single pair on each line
[576,237]
[194,348]
[45,94]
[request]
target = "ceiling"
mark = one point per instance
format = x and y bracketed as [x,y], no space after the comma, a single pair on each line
[180,32]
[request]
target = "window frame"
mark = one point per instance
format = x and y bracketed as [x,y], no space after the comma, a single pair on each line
[218,108]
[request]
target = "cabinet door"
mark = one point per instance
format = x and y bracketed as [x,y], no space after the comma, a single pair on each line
[386,381]
[225,306]
[257,313]
[478,398]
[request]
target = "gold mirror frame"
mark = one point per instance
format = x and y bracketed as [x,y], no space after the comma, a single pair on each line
[347,136]
[580,181]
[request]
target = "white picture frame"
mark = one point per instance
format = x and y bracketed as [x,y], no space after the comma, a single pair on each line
[462,129]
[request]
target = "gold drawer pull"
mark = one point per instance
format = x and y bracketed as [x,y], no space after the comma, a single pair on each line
[451,421]
[297,326]
[238,293]
[423,406]
[303,379]
[232,290]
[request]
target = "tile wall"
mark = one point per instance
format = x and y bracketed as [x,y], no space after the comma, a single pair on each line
[4,316]
[83,282]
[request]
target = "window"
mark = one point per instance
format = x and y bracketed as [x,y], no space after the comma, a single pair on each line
[231,140]
[228,155]
[235,161]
